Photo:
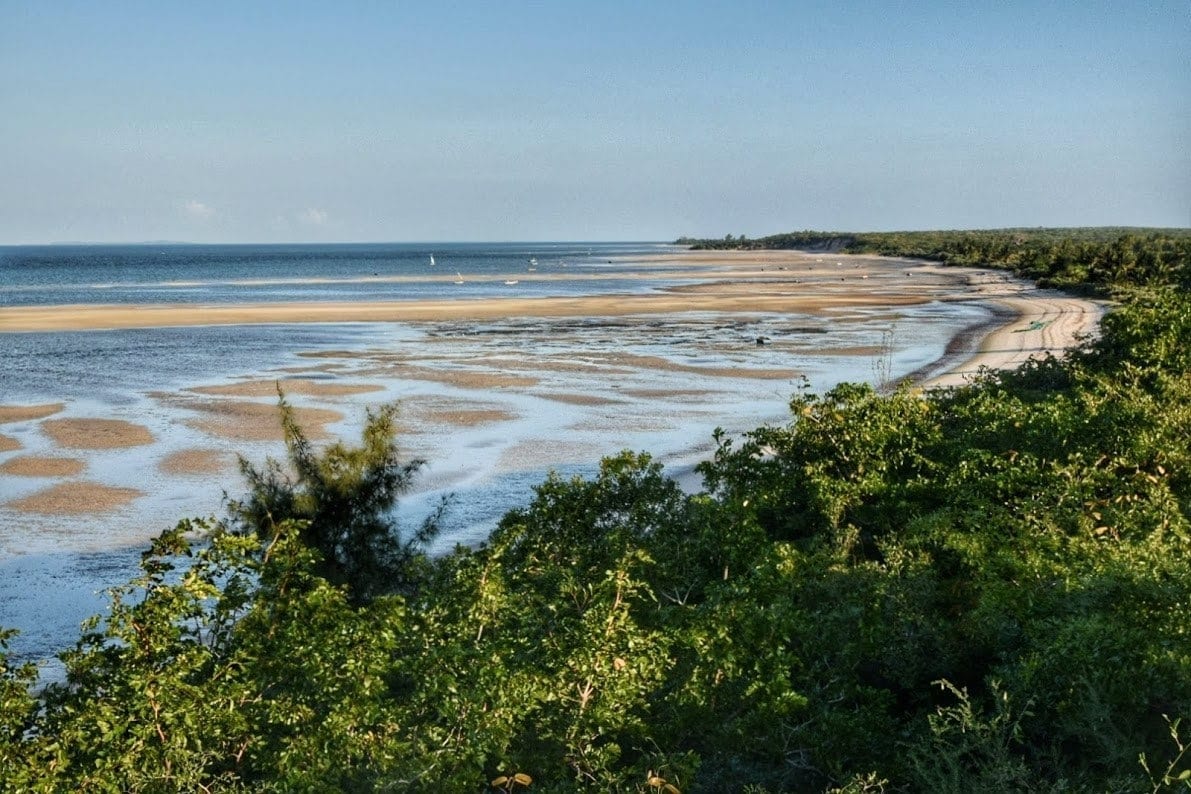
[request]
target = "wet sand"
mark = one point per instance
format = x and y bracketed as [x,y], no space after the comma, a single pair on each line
[196,461]
[75,498]
[722,281]
[302,386]
[24,413]
[8,443]
[1040,323]
[96,433]
[237,420]
[38,466]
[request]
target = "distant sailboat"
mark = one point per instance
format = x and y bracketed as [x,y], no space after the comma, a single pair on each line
[511,281]
[458,280]
[432,260]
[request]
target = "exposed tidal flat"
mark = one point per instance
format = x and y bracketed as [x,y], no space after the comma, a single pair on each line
[122,416]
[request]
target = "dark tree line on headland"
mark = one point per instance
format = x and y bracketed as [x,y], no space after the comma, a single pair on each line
[979,589]
[1087,259]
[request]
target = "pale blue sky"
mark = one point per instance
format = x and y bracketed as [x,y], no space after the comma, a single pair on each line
[379,121]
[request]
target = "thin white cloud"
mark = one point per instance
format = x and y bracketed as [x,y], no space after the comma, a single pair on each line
[197,209]
[313,217]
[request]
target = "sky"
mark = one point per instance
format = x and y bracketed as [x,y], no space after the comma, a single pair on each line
[488,121]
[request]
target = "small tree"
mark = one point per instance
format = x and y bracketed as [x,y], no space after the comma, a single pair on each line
[344,496]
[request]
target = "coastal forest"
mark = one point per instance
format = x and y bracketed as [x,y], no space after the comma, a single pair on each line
[982,588]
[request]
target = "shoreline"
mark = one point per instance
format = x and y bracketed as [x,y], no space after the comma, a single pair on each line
[1026,321]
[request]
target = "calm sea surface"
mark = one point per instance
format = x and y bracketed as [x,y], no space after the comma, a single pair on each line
[66,274]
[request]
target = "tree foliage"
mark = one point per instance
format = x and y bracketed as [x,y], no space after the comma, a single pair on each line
[344,499]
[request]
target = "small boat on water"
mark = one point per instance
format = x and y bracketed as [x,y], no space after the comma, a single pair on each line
[432,260]
[511,281]
[459,279]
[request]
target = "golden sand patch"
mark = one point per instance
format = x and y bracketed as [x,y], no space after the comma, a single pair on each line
[96,433]
[8,443]
[304,386]
[194,461]
[239,420]
[23,413]
[78,317]
[71,498]
[37,466]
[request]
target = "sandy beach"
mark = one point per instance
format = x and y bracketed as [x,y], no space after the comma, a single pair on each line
[1038,322]
[482,387]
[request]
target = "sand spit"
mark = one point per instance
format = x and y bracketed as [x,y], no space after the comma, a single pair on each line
[96,433]
[707,299]
[303,386]
[38,466]
[8,443]
[75,498]
[24,413]
[195,461]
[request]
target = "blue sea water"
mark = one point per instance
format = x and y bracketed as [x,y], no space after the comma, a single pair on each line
[139,274]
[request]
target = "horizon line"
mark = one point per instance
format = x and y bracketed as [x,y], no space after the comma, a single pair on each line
[671,241]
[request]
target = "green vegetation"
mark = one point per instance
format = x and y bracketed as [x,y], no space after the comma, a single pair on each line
[1088,259]
[982,589]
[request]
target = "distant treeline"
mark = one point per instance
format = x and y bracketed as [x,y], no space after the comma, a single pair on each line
[1091,259]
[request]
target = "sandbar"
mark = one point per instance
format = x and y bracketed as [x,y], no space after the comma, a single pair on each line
[71,498]
[38,466]
[303,386]
[24,413]
[741,282]
[241,420]
[194,461]
[96,433]
[8,443]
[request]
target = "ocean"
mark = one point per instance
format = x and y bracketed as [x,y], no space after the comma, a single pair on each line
[493,406]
